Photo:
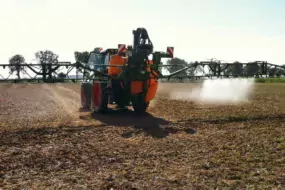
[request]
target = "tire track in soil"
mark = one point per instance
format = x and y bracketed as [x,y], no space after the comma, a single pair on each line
[68,103]
[65,99]
[52,103]
[29,102]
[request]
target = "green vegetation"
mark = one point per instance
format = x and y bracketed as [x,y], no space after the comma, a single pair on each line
[270,80]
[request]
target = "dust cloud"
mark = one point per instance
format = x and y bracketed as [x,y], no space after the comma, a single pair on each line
[217,91]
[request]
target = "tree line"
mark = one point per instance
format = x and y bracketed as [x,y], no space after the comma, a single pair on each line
[45,57]
[48,57]
[235,69]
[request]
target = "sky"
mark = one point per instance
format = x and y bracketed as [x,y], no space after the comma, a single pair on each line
[240,30]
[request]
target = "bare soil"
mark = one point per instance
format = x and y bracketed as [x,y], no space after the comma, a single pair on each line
[48,141]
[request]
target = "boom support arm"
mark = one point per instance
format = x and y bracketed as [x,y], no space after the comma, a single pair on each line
[142,42]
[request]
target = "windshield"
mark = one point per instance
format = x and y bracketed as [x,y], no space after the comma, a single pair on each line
[95,60]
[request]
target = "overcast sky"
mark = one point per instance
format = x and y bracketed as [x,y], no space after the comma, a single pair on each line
[242,30]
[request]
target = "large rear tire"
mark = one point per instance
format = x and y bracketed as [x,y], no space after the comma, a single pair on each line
[100,97]
[86,89]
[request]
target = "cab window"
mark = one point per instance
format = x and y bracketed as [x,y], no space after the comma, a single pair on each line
[95,60]
[106,59]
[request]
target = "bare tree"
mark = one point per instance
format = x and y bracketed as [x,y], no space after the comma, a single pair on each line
[15,63]
[81,57]
[234,69]
[47,58]
[177,65]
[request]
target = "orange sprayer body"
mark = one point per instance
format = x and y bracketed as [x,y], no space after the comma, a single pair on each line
[119,61]
[152,85]
[136,86]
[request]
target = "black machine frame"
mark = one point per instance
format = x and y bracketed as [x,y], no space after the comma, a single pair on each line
[142,47]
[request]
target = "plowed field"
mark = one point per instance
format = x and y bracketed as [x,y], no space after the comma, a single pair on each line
[47,141]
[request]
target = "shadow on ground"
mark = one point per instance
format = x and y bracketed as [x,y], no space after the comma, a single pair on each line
[84,110]
[142,123]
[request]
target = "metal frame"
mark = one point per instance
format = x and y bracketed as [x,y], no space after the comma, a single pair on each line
[212,66]
[141,49]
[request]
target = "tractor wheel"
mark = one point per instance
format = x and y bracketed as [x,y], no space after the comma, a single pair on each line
[86,95]
[139,104]
[99,97]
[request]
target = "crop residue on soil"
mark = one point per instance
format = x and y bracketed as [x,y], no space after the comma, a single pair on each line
[177,145]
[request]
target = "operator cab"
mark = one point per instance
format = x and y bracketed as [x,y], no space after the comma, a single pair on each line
[99,57]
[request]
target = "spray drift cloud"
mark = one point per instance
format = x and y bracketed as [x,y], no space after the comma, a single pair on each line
[217,91]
